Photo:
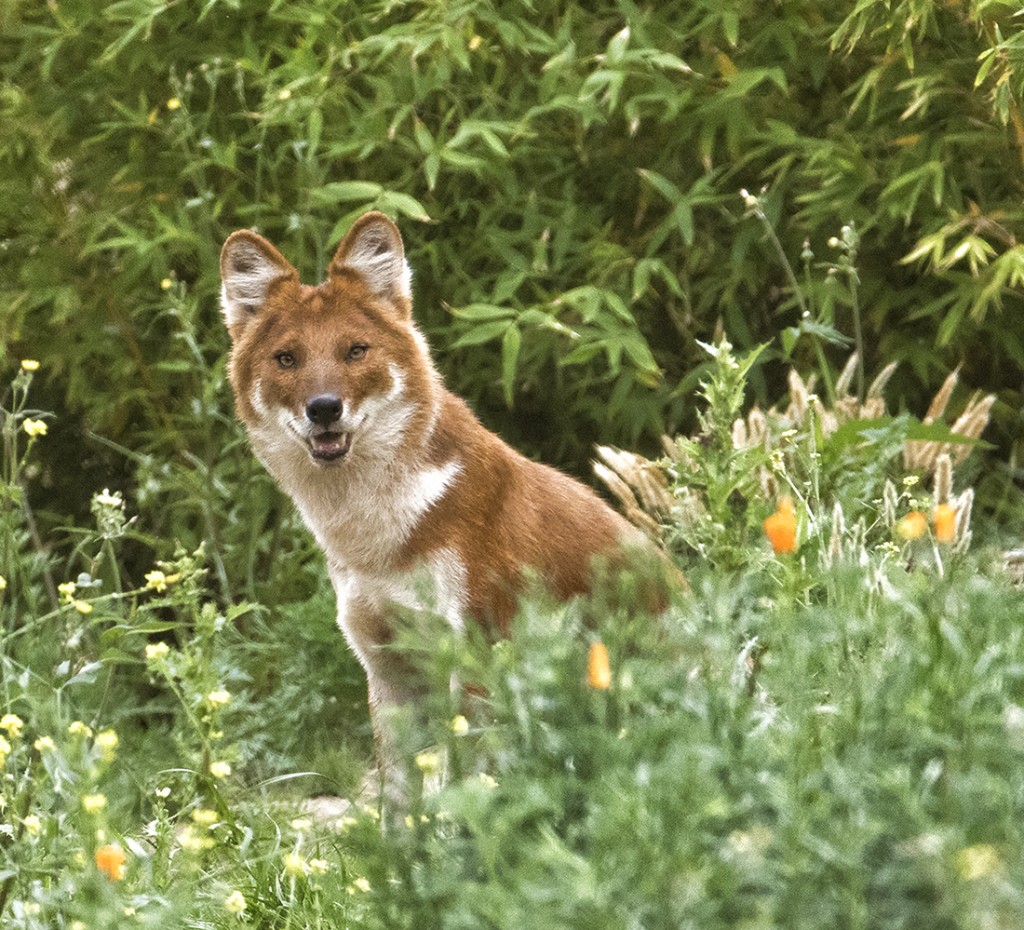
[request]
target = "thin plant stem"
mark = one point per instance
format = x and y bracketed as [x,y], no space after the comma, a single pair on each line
[786,266]
[858,337]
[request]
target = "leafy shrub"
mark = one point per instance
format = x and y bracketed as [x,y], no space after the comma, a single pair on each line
[567,179]
[822,733]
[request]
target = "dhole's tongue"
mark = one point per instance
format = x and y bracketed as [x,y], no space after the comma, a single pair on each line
[330,446]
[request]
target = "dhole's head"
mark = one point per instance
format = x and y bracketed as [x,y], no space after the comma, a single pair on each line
[333,373]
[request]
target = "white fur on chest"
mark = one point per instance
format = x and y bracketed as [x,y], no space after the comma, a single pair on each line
[362,511]
[365,525]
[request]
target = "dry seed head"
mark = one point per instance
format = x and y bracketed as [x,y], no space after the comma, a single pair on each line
[938,405]
[642,476]
[943,478]
[845,378]
[872,408]
[616,459]
[920,455]
[769,484]
[739,435]
[798,397]
[835,543]
[964,505]
[627,499]
[622,491]
[878,385]
[847,408]
[857,537]
[827,419]
[675,452]
[890,503]
[652,488]
[647,523]
[975,417]
[757,426]
[971,423]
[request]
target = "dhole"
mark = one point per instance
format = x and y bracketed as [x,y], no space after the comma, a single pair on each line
[393,474]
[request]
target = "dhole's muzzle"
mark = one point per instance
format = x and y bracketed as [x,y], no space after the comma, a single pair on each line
[327,442]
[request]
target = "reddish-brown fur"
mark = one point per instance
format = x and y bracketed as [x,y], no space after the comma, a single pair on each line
[424,484]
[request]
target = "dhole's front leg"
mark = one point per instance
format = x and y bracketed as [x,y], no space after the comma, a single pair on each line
[391,681]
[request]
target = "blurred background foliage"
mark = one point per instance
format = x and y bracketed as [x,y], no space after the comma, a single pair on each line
[567,180]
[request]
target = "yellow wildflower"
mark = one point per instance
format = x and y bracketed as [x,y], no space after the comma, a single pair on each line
[106,742]
[360,884]
[94,803]
[157,651]
[219,698]
[44,744]
[83,607]
[205,817]
[3,583]
[5,751]
[978,861]
[294,864]
[318,866]
[67,590]
[29,364]
[156,580]
[235,903]
[220,769]
[429,763]
[192,841]
[77,728]
[173,104]
[13,724]
[460,725]
[33,825]
[33,427]
[166,284]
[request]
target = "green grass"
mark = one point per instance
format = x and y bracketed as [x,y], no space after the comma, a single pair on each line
[832,737]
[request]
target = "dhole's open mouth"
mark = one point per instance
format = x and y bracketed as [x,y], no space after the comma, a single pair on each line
[329,447]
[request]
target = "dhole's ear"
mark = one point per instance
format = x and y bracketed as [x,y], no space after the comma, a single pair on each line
[249,267]
[373,248]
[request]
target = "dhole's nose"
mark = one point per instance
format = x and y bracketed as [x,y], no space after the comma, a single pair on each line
[324,409]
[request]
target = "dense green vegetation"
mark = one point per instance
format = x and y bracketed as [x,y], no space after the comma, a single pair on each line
[590,194]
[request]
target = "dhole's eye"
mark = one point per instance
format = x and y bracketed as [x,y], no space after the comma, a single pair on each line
[356,352]
[285,359]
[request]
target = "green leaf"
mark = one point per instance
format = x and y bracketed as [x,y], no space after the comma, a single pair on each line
[483,312]
[481,334]
[346,191]
[397,202]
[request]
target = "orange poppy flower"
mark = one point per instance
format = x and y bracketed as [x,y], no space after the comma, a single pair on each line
[944,519]
[780,527]
[913,526]
[111,861]
[599,670]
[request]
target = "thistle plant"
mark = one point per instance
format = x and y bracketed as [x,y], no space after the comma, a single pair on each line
[826,468]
